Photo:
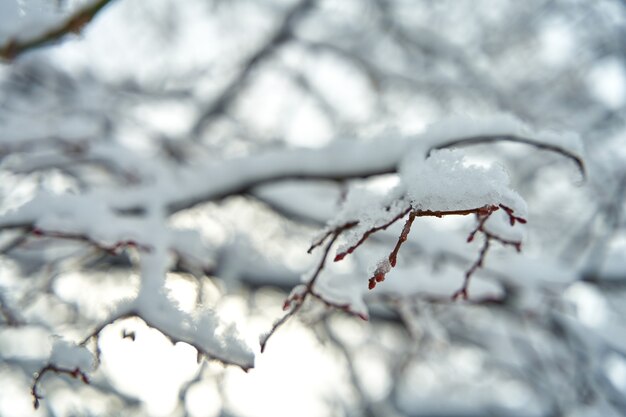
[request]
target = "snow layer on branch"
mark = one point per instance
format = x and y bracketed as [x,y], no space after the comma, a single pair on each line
[18,23]
[445,181]
[203,331]
[372,209]
[77,215]
[17,130]
[500,125]
[68,355]
[190,246]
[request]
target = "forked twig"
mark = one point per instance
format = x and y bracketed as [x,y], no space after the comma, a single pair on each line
[296,300]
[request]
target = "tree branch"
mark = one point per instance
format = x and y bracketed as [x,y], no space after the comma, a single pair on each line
[297,298]
[230,92]
[477,140]
[74,373]
[74,24]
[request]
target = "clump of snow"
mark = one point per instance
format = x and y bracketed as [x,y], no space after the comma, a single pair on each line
[446,181]
[222,341]
[361,202]
[300,289]
[382,267]
[68,355]
[443,180]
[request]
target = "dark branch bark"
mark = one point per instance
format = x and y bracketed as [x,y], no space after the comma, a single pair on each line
[74,24]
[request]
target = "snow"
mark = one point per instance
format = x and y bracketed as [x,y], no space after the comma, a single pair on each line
[345,289]
[18,130]
[15,23]
[26,20]
[433,179]
[203,330]
[68,355]
[445,181]
[496,125]
[439,181]
[370,207]
[142,189]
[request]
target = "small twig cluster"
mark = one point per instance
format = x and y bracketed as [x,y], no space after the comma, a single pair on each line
[296,299]
[294,302]
[482,215]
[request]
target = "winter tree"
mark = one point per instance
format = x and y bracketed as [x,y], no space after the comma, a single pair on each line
[331,207]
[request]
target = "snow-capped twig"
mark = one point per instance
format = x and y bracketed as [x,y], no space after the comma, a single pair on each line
[370,232]
[74,373]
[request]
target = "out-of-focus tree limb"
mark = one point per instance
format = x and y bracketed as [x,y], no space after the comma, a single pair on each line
[229,93]
[74,24]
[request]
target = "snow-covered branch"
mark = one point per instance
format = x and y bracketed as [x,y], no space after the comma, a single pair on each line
[52,31]
[163,173]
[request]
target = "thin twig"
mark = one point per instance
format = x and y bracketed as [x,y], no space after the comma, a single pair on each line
[462,292]
[393,256]
[74,373]
[113,249]
[370,232]
[296,301]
